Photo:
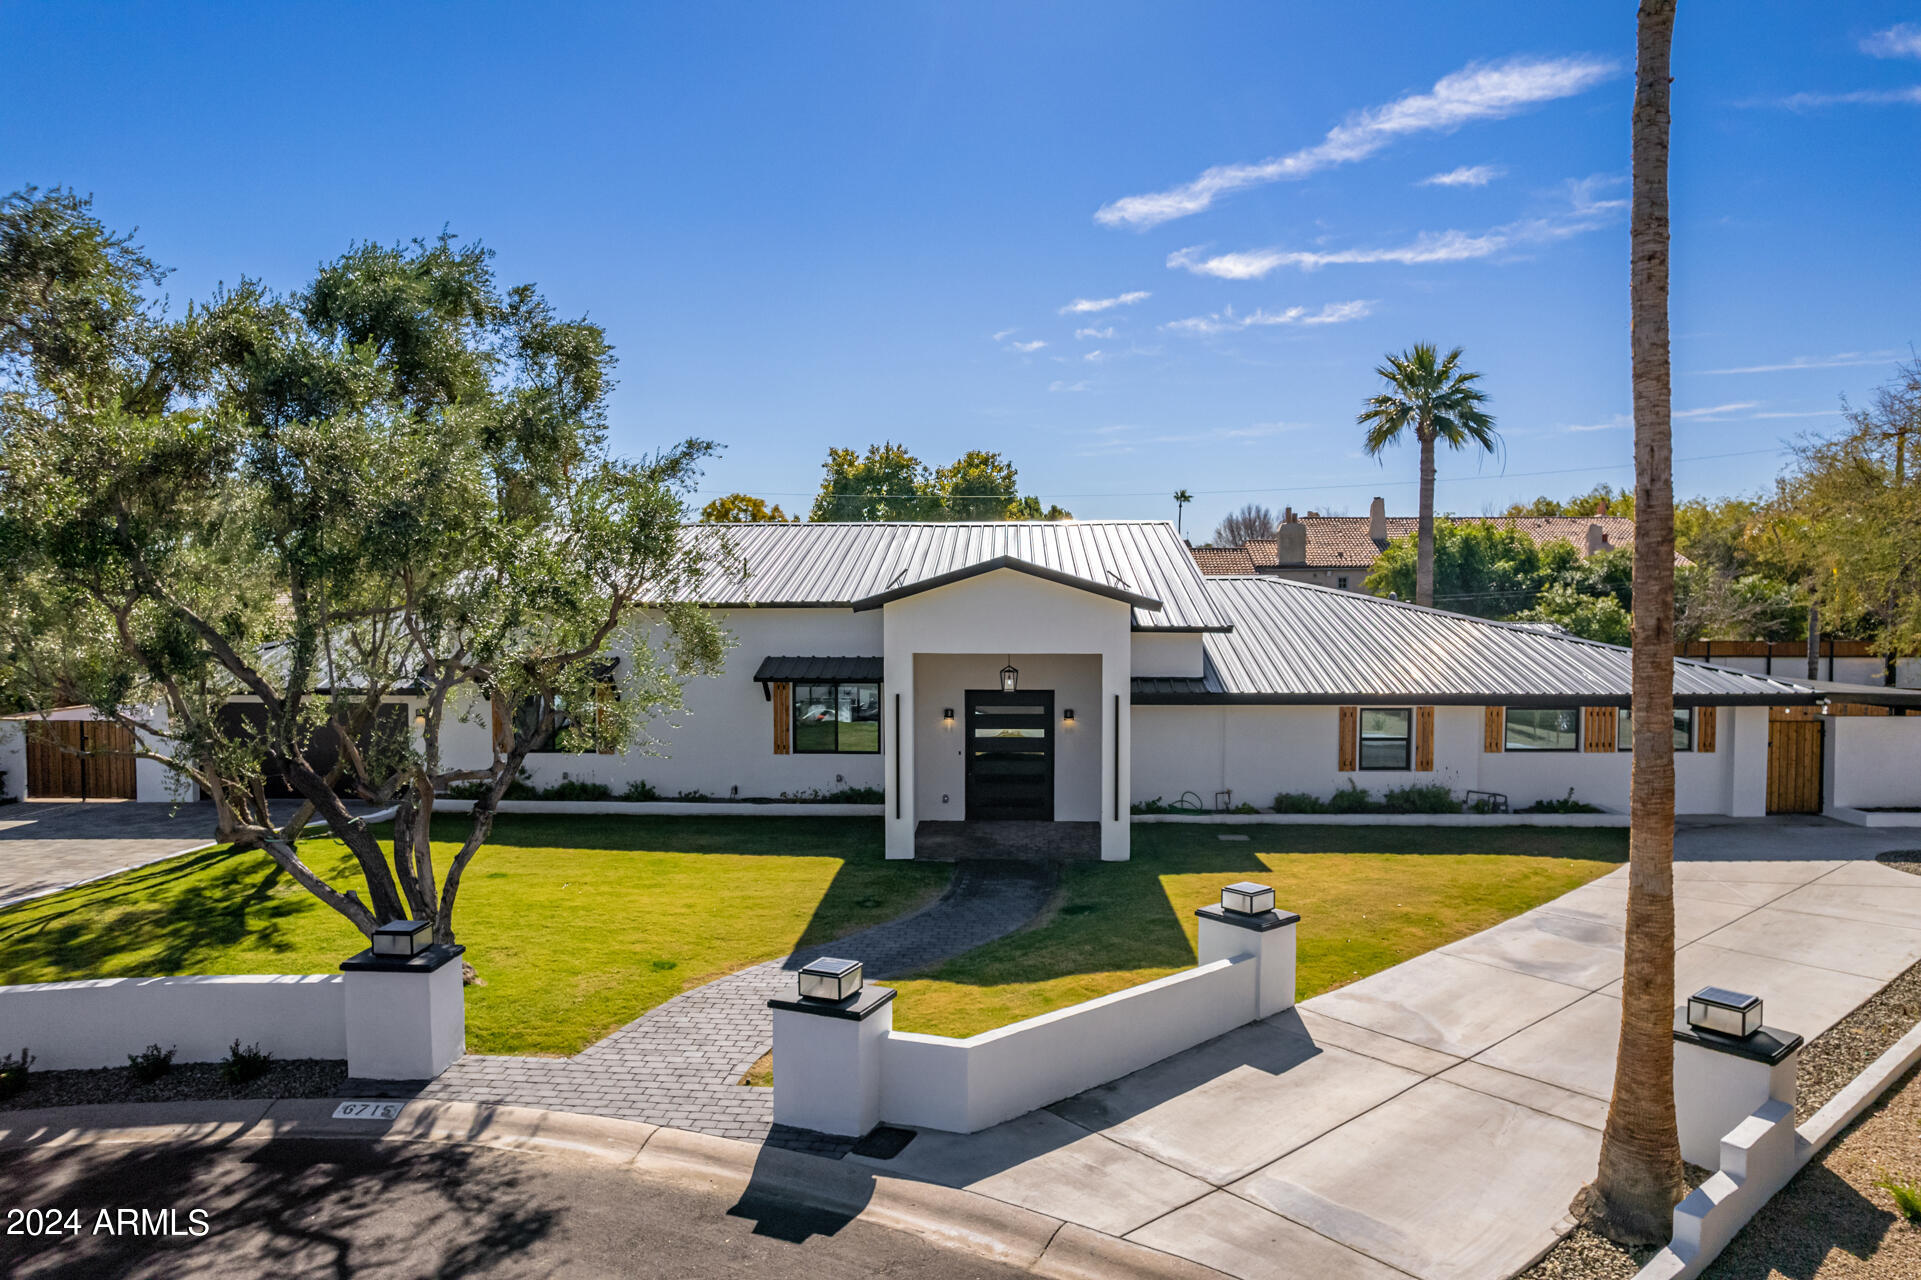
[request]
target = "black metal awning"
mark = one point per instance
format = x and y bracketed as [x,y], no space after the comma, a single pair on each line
[802,670]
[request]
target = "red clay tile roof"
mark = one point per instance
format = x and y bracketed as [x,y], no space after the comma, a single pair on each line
[1341,542]
[1222,561]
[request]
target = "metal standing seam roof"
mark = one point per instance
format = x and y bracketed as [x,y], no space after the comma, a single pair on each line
[1293,642]
[802,670]
[826,565]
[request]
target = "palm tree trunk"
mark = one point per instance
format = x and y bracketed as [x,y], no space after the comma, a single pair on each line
[1424,545]
[1640,1177]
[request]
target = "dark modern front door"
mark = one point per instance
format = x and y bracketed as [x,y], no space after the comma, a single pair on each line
[1010,756]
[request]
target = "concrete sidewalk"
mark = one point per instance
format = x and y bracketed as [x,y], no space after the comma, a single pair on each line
[1436,1119]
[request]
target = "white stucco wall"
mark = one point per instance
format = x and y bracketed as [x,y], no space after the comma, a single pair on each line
[941,680]
[13,760]
[98,1022]
[1168,653]
[1259,751]
[978,615]
[1873,761]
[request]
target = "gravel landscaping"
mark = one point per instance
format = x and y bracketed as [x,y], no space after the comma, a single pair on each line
[187,1081]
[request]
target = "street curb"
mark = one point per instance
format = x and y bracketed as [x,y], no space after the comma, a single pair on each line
[966,1221]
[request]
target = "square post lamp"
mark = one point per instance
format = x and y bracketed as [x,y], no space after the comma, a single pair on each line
[1727,1065]
[405,1004]
[828,1039]
[1246,923]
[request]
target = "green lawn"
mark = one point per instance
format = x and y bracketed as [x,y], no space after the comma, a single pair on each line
[1369,897]
[577,924]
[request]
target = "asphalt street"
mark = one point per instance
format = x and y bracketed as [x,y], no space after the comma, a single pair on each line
[342,1208]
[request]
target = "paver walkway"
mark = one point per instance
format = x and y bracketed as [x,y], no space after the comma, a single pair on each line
[679,1064]
[1435,1119]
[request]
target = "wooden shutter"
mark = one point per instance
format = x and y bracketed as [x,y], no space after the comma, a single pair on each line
[1704,729]
[1350,740]
[1424,739]
[1602,725]
[1494,735]
[783,717]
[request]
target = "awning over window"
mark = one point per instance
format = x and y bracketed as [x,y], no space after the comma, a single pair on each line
[801,670]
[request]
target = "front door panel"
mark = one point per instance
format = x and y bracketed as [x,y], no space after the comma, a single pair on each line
[1010,756]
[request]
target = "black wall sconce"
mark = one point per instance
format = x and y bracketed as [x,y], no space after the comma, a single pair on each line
[1067,716]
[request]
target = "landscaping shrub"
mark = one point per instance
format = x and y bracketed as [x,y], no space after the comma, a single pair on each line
[1244,807]
[1907,1197]
[150,1063]
[1299,802]
[1566,804]
[13,1073]
[1351,799]
[640,791]
[1432,797]
[571,789]
[519,789]
[693,795]
[855,795]
[242,1066]
[1188,803]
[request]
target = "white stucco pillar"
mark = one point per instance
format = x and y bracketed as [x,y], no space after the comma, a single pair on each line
[897,733]
[1720,1080]
[1748,768]
[1117,715]
[406,1016]
[827,1060]
[1268,936]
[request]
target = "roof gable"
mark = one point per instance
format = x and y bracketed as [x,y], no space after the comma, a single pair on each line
[1016,565]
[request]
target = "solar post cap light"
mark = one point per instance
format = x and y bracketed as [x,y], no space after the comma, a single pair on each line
[403,938]
[1247,898]
[829,979]
[1729,1013]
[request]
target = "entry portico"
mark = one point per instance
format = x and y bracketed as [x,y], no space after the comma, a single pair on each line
[982,726]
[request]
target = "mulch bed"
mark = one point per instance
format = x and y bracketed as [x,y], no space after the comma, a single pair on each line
[1828,1063]
[195,1081]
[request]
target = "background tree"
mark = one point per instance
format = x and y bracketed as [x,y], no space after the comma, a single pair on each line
[886,483]
[978,485]
[1435,399]
[741,508]
[394,482]
[1639,1177]
[1479,567]
[1181,498]
[1238,528]
[1602,499]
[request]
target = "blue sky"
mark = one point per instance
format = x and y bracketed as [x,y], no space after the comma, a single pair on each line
[830,224]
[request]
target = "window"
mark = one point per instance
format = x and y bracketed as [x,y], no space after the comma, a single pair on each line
[1386,733]
[1683,730]
[1543,729]
[836,719]
[585,726]
[1341,582]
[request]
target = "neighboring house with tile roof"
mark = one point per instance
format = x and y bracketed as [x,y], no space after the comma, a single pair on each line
[1340,551]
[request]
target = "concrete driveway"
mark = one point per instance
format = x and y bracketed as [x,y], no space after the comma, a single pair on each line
[50,844]
[1436,1119]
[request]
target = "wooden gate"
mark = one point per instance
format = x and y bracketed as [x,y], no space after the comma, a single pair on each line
[57,769]
[1794,763]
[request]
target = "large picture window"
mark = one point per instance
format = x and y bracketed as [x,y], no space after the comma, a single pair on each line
[576,730]
[1683,730]
[1386,737]
[838,718]
[1543,729]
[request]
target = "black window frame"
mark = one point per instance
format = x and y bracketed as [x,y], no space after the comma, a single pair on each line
[1507,730]
[528,713]
[1407,741]
[1340,582]
[1624,729]
[796,701]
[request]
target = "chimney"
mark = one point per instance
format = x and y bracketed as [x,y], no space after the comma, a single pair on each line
[1595,539]
[1290,542]
[1287,515]
[1377,520]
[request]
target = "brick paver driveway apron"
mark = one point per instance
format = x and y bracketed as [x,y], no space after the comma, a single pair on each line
[679,1064]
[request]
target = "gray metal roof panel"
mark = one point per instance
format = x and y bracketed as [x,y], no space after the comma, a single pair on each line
[837,565]
[1294,642]
[818,668]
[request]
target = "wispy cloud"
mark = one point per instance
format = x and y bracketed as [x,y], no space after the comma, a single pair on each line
[1715,411]
[1096,356]
[1062,385]
[1479,91]
[1468,175]
[1004,334]
[1584,213]
[1902,40]
[1619,422]
[1227,321]
[1128,438]
[1801,413]
[1108,332]
[1909,96]
[1026,348]
[1087,306]
[1840,360]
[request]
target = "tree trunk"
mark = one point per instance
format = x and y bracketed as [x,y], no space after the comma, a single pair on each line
[1424,545]
[1814,641]
[1639,1178]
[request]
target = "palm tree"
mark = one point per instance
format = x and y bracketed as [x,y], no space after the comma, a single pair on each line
[1639,1178]
[1440,402]
[1181,498]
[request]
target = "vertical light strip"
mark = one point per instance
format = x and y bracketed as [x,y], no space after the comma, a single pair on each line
[1117,757]
[897,756]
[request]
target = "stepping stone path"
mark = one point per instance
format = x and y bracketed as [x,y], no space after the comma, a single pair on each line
[679,1064]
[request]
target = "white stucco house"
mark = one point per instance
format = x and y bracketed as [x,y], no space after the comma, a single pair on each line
[1059,673]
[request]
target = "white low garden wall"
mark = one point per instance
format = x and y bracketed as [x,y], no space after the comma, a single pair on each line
[963,1086]
[672,808]
[1395,819]
[98,1022]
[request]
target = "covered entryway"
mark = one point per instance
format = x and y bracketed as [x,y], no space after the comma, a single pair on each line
[79,760]
[1010,756]
[1794,759]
